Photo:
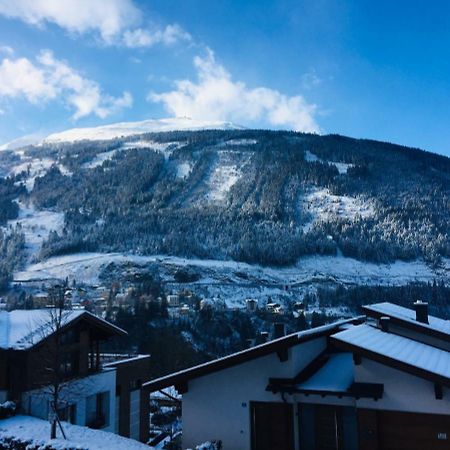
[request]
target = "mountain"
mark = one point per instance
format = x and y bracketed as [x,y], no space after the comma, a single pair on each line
[123,129]
[271,198]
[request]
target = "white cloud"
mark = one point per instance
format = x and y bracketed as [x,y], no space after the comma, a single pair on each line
[108,18]
[116,22]
[146,38]
[49,78]
[2,112]
[216,96]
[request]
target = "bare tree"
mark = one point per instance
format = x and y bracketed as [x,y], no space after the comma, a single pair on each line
[50,359]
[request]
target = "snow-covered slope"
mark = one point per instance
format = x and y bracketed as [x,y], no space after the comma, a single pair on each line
[27,428]
[30,139]
[116,130]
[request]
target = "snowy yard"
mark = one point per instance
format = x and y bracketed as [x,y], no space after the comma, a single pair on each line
[36,430]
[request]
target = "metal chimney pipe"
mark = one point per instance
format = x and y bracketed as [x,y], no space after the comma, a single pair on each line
[421,309]
[384,323]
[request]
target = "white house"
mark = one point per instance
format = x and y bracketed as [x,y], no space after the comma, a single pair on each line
[377,383]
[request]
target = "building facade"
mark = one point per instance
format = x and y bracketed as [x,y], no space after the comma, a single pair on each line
[368,383]
[51,366]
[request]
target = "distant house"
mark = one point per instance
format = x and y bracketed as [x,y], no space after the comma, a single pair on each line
[102,396]
[376,383]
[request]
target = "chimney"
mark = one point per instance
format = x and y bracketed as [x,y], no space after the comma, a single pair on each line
[264,336]
[279,330]
[421,311]
[384,323]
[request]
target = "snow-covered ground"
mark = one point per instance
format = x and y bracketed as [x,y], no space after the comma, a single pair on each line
[117,130]
[238,142]
[166,148]
[225,174]
[184,169]
[34,167]
[340,166]
[36,226]
[99,159]
[323,206]
[235,281]
[36,430]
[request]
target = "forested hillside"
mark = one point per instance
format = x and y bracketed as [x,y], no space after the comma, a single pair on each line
[263,197]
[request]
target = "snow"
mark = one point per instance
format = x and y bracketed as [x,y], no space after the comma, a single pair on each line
[399,348]
[340,166]
[166,148]
[324,206]
[23,141]
[36,226]
[22,329]
[99,159]
[29,428]
[117,130]
[409,315]
[236,281]
[238,142]
[225,174]
[336,375]
[184,169]
[36,167]
[25,328]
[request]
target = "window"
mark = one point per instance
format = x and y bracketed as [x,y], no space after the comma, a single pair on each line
[97,410]
[69,363]
[68,413]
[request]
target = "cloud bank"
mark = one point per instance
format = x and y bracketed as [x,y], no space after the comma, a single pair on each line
[49,78]
[116,22]
[216,96]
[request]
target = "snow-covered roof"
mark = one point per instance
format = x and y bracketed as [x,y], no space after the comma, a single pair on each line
[409,316]
[388,346]
[29,428]
[247,355]
[336,375]
[22,329]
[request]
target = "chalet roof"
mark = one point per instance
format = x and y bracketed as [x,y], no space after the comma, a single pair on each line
[23,329]
[396,351]
[277,345]
[407,317]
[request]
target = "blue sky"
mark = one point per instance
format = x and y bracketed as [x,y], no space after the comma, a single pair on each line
[377,70]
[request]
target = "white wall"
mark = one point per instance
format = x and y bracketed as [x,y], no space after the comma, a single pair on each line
[402,392]
[35,403]
[217,406]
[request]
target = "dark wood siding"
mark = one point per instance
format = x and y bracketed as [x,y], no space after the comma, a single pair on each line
[272,426]
[390,430]
[406,431]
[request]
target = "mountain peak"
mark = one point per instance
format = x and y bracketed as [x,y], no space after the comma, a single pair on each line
[105,132]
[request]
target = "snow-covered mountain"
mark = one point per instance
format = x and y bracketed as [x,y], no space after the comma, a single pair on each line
[213,191]
[123,129]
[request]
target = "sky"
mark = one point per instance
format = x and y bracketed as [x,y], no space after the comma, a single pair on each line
[377,70]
